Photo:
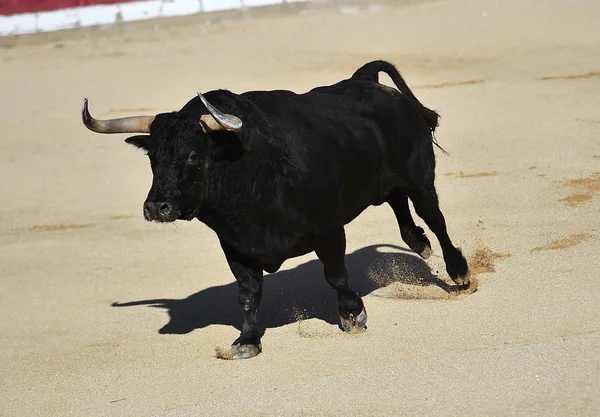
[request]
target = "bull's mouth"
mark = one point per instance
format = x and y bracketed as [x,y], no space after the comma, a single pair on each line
[161,219]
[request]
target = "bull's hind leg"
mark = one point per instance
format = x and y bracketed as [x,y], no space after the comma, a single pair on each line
[427,207]
[413,235]
[331,249]
[250,282]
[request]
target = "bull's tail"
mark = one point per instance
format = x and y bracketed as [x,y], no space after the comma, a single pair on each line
[371,72]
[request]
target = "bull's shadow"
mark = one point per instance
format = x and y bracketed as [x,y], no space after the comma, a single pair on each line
[289,295]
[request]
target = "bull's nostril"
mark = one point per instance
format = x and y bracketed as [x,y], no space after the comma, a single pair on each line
[164,208]
[157,210]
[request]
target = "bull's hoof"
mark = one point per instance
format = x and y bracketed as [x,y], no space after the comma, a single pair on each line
[426,253]
[458,268]
[354,324]
[417,241]
[462,280]
[238,351]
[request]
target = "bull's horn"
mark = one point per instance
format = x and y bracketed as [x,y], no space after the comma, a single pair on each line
[136,124]
[217,120]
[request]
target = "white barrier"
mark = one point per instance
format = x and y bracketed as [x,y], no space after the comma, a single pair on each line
[121,12]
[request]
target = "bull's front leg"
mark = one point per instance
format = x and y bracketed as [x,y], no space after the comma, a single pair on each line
[330,248]
[250,282]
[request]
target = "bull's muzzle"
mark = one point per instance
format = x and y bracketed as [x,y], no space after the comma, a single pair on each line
[159,211]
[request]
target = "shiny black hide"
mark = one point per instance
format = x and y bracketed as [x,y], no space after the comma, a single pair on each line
[301,167]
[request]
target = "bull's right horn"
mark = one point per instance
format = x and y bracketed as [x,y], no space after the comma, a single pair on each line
[217,120]
[135,124]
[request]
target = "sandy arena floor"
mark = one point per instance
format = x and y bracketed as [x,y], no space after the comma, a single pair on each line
[103,314]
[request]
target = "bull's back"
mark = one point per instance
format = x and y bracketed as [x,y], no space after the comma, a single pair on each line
[346,141]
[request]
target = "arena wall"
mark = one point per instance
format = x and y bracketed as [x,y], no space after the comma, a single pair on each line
[32,16]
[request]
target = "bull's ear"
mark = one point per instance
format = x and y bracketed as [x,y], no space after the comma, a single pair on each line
[139,141]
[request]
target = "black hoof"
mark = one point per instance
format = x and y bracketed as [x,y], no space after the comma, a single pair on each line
[417,241]
[462,280]
[426,253]
[458,268]
[238,351]
[354,324]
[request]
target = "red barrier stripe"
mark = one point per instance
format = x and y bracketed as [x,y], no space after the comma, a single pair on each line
[8,7]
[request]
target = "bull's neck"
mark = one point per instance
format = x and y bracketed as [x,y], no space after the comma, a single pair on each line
[234,193]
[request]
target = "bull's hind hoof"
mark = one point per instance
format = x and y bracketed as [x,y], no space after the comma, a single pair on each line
[458,268]
[238,351]
[463,280]
[354,324]
[426,253]
[417,241]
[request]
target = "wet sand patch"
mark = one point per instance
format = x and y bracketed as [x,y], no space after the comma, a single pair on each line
[59,227]
[583,189]
[591,74]
[564,243]
[450,84]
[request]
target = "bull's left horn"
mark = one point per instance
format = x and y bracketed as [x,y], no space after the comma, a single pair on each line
[135,124]
[217,120]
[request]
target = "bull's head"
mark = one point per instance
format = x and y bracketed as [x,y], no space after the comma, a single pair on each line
[180,149]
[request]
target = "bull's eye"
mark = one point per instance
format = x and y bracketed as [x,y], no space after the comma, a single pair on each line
[193,159]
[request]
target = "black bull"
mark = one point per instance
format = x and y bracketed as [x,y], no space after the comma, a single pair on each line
[277,175]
